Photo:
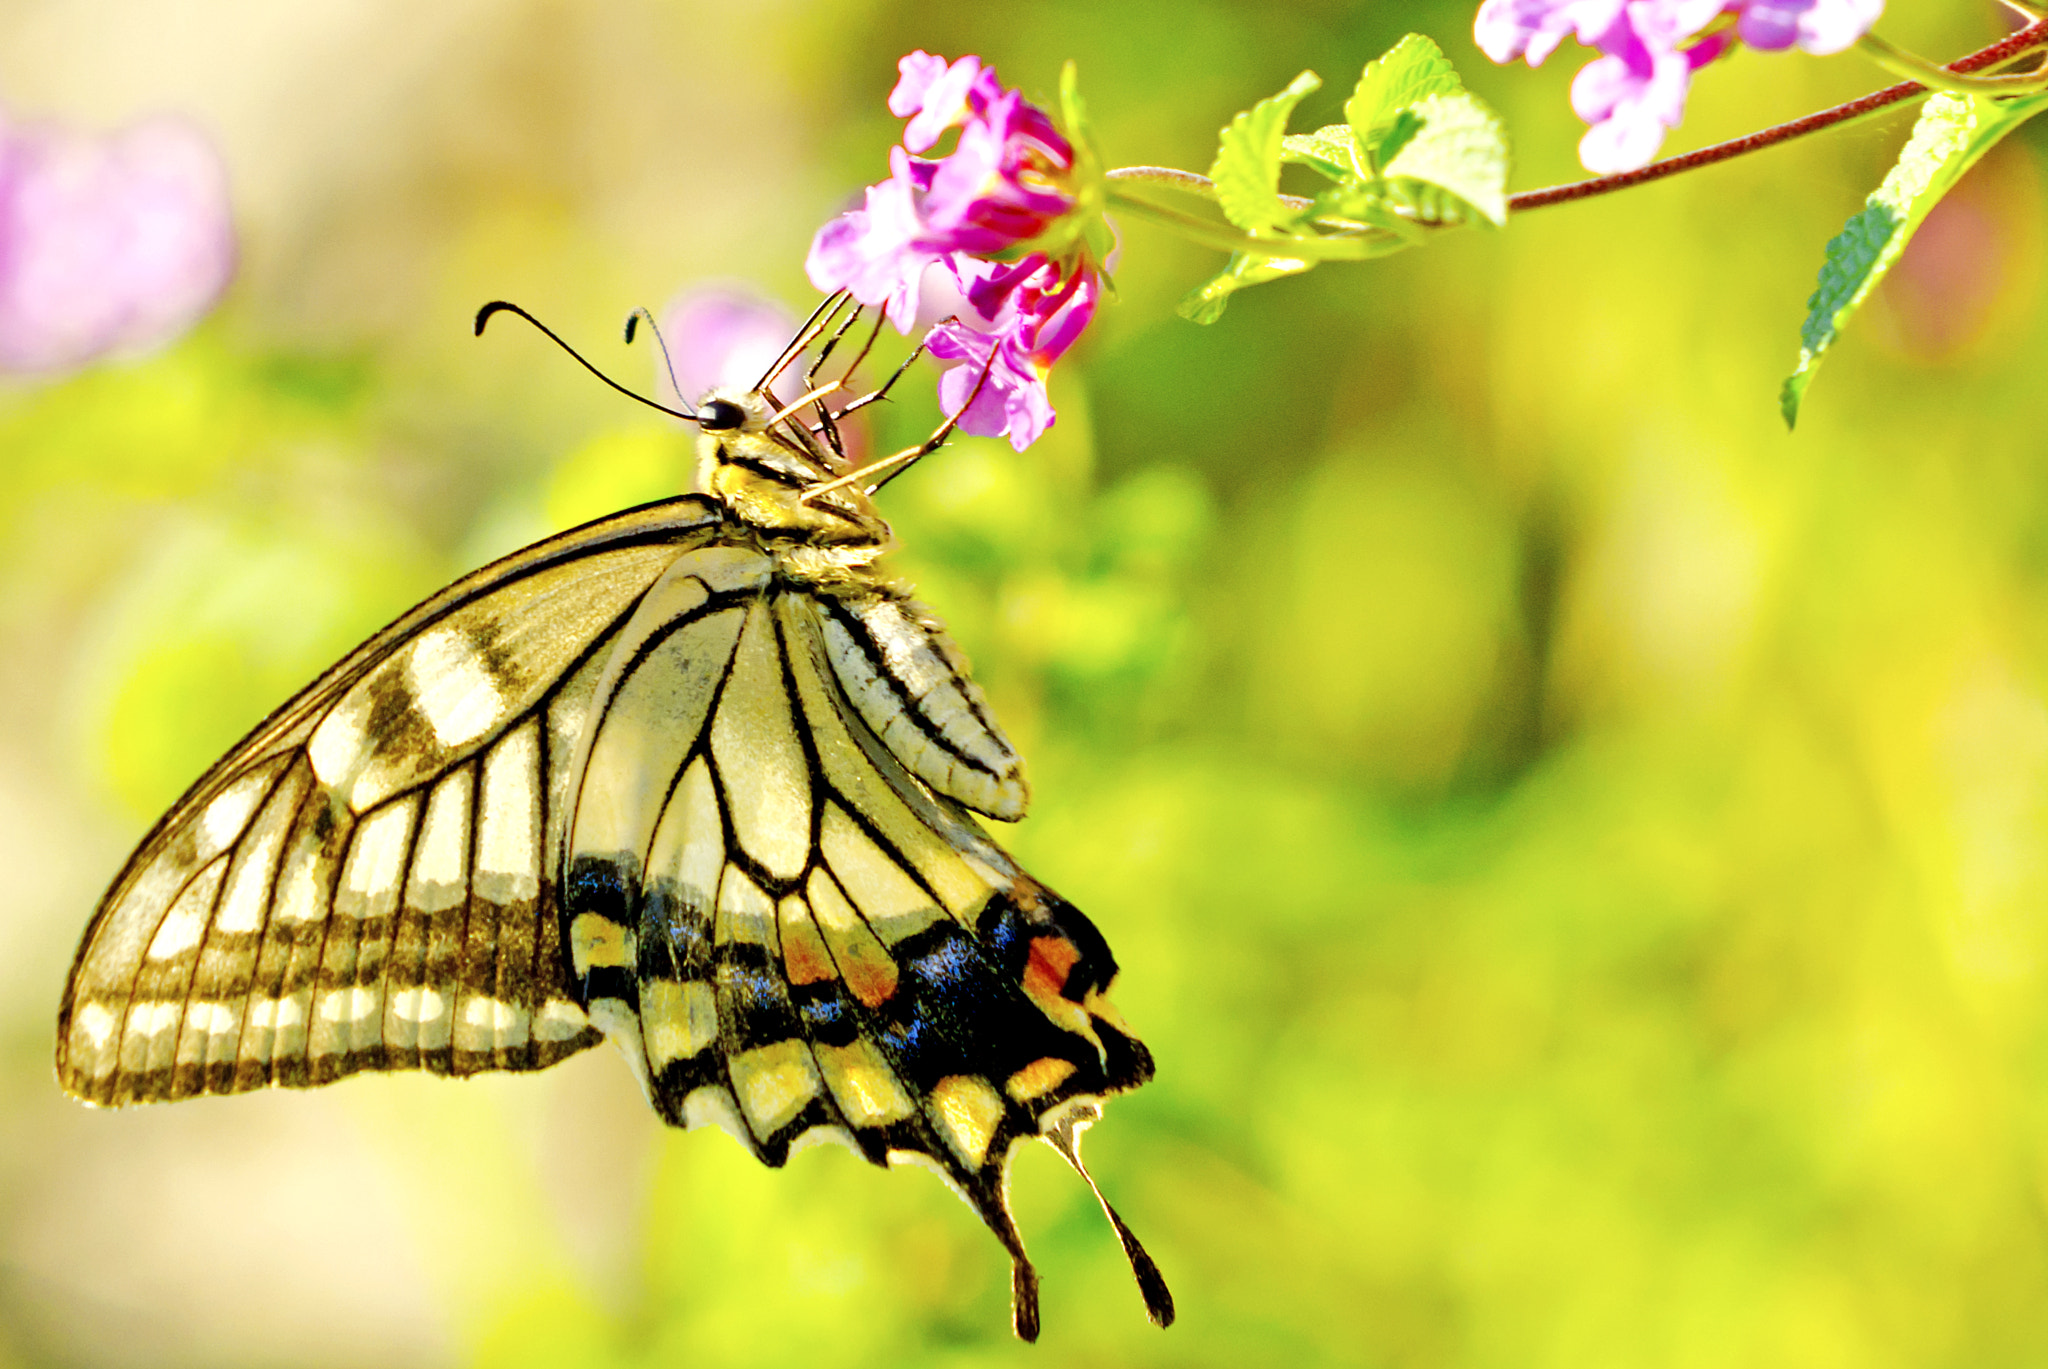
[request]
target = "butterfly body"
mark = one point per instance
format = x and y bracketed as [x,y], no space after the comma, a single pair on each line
[696,777]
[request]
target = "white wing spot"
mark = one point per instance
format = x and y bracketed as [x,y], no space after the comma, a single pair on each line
[95,1024]
[229,812]
[439,870]
[508,826]
[452,687]
[182,930]
[560,1020]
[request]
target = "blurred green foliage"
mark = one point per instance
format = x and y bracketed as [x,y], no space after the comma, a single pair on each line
[1575,851]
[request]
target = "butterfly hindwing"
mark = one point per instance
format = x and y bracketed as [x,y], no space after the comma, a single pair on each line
[795,937]
[366,880]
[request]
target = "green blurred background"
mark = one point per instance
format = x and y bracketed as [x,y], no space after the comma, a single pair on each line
[1574,849]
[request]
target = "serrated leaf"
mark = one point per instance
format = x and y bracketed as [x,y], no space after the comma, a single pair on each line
[1398,135]
[1953,131]
[1206,303]
[1455,167]
[1365,202]
[1247,166]
[1413,69]
[1327,150]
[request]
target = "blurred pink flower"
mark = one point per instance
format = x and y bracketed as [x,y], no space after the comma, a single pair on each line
[1634,93]
[724,336]
[108,244]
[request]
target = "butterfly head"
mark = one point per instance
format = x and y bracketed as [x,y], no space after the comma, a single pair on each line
[767,469]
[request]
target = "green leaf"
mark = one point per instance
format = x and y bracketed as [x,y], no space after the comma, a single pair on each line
[1247,166]
[1205,303]
[1398,135]
[1366,202]
[1953,131]
[1413,69]
[1329,150]
[1455,167]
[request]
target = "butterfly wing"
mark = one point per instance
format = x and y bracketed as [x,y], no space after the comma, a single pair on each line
[911,685]
[367,881]
[792,936]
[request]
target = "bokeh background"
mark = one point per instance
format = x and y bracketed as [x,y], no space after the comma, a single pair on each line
[1576,850]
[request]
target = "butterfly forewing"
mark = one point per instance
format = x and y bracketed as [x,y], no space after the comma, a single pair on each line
[366,881]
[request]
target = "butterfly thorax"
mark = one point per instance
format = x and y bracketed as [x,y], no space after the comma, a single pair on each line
[765,471]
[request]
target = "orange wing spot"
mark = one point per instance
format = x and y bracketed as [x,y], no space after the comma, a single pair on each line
[1038,1078]
[869,973]
[804,957]
[1052,959]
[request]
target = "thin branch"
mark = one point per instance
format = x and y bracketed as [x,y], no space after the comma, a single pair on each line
[2034,36]
[1343,247]
[1914,67]
[1194,184]
[1166,175]
[2027,39]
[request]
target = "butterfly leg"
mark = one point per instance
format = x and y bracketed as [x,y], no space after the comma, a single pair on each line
[820,320]
[827,426]
[895,464]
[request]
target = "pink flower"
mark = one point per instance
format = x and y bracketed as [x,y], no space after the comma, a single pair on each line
[1635,95]
[1635,92]
[1816,26]
[999,187]
[1005,186]
[879,252]
[936,97]
[1025,316]
[107,244]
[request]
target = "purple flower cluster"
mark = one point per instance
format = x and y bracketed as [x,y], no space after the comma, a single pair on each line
[1634,93]
[107,244]
[973,215]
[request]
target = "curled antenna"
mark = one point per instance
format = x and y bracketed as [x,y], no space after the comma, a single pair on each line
[499,306]
[668,362]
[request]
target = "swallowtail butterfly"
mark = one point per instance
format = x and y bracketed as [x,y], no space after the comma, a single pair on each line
[696,777]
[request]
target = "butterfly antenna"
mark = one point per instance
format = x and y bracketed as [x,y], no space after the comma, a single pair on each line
[668,363]
[895,464]
[1065,1137]
[499,306]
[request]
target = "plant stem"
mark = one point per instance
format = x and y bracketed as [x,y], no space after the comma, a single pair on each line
[1165,175]
[1349,247]
[2027,39]
[1916,68]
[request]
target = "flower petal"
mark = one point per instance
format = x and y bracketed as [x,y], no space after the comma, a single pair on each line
[107,244]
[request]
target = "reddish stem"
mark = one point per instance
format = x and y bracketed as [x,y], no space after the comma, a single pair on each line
[2032,36]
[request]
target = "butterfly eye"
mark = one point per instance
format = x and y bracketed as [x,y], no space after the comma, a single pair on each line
[721,416]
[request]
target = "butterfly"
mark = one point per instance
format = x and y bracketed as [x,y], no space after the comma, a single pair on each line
[697,777]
